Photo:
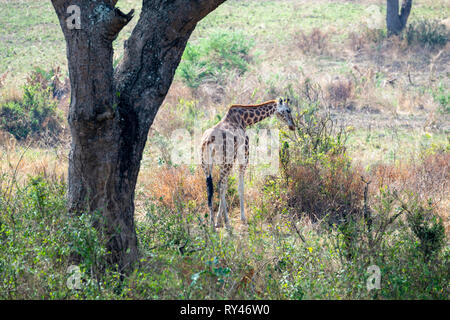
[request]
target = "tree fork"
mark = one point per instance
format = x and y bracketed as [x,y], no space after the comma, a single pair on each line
[396,22]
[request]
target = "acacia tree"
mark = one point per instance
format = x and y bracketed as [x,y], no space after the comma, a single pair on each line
[396,21]
[111,110]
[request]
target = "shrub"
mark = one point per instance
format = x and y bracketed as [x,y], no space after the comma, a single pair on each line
[215,58]
[427,227]
[443,98]
[365,38]
[339,92]
[36,114]
[3,78]
[430,33]
[315,42]
[392,246]
[38,237]
[318,178]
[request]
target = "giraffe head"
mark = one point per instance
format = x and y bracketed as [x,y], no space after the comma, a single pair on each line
[284,112]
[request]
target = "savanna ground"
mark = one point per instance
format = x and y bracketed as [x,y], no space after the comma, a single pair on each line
[363,181]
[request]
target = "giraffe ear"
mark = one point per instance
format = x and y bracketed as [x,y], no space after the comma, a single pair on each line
[280,101]
[288,100]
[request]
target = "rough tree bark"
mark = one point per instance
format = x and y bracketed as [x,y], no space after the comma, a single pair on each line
[111,111]
[396,22]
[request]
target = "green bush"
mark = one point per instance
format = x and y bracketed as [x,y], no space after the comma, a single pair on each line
[319,179]
[38,239]
[442,96]
[14,119]
[429,33]
[181,258]
[428,228]
[215,58]
[36,114]
[410,269]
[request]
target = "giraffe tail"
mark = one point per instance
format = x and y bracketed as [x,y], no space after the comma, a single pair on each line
[210,188]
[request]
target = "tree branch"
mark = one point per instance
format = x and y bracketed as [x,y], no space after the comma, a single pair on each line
[117,22]
[405,11]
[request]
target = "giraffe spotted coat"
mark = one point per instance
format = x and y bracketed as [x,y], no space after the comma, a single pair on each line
[227,142]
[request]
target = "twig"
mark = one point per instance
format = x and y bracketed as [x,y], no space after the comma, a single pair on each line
[367,214]
[298,231]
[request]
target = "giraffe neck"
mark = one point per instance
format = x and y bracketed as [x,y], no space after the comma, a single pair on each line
[244,116]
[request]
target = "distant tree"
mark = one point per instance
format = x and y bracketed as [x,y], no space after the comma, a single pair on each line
[396,21]
[111,110]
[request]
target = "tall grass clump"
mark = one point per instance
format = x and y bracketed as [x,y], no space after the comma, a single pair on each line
[430,33]
[36,113]
[315,42]
[215,58]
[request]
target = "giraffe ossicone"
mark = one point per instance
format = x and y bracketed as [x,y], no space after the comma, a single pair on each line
[227,142]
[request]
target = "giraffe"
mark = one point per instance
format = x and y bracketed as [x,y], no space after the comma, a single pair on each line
[228,141]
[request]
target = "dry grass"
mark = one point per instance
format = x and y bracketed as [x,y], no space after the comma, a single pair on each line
[3,78]
[176,91]
[340,92]
[18,163]
[10,93]
[7,141]
[427,178]
[363,39]
[172,187]
[319,191]
[316,42]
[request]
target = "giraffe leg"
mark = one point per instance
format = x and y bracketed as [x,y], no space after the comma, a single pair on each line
[222,203]
[242,167]
[223,184]
[228,146]
[241,194]
[225,209]
[210,187]
[207,168]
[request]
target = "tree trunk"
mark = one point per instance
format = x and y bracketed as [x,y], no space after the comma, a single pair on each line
[111,111]
[397,22]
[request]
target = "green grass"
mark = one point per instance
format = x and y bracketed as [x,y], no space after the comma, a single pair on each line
[391,145]
[31,36]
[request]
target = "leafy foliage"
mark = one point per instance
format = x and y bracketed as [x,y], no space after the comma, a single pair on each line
[428,228]
[443,98]
[36,113]
[427,32]
[214,58]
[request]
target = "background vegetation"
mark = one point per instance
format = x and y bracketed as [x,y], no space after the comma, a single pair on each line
[363,181]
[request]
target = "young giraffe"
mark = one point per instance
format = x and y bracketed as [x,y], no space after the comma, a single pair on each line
[227,140]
